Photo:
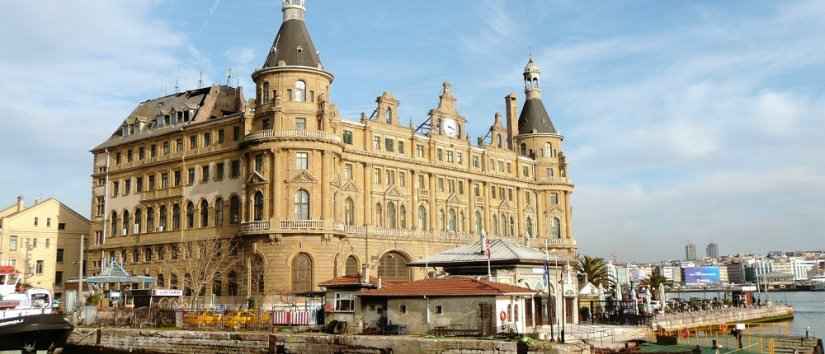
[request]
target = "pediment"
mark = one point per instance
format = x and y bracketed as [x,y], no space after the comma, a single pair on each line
[393,191]
[530,210]
[256,178]
[505,205]
[555,211]
[303,177]
[348,186]
[453,199]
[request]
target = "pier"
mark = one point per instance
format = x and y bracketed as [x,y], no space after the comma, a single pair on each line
[688,320]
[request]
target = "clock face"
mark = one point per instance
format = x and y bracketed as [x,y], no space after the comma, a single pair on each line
[450,128]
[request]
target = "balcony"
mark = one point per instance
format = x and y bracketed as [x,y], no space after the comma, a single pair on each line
[302,225]
[562,242]
[320,226]
[174,192]
[255,228]
[272,135]
[552,180]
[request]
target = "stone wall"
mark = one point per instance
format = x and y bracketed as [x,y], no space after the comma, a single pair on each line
[679,321]
[163,341]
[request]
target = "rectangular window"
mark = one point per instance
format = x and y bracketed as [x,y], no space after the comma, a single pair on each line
[207,139]
[554,199]
[153,151]
[421,184]
[510,194]
[439,154]
[205,174]
[476,190]
[117,159]
[60,255]
[61,226]
[38,269]
[235,170]
[402,179]
[48,222]
[58,278]
[461,187]
[376,176]
[493,192]
[164,180]
[167,149]
[127,186]
[99,206]
[509,167]
[177,178]
[48,243]
[419,151]
[138,184]
[179,145]
[459,158]
[500,166]
[259,163]
[390,177]
[451,186]
[376,143]
[389,144]
[344,302]
[300,124]
[193,142]
[476,162]
[525,171]
[302,160]
[348,137]
[141,153]
[401,147]
[129,156]
[450,157]
[151,182]
[236,133]
[219,167]
[115,188]
[348,171]
[221,136]
[12,243]
[440,184]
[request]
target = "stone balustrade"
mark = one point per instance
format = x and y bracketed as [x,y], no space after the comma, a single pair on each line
[270,135]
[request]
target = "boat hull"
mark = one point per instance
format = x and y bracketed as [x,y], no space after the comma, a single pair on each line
[34,332]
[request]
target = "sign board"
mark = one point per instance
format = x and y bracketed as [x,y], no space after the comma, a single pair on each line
[114,294]
[167,292]
[708,275]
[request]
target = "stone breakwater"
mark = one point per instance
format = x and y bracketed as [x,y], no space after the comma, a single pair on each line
[678,321]
[108,340]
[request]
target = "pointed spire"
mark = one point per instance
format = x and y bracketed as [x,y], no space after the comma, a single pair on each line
[532,78]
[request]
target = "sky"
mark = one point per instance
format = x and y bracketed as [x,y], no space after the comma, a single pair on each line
[683,120]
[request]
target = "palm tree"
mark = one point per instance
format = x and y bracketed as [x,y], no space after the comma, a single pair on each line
[595,269]
[654,281]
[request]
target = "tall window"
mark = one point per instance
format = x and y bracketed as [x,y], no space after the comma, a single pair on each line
[258,270]
[388,115]
[422,218]
[529,227]
[300,92]
[265,92]
[300,124]
[302,160]
[352,267]
[232,286]
[442,219]
[402,216]
[150,220]
[176,217]
[379,215]
[392,221]
[452,224]
[234,209]
[555,227]
[126,222]
[349,212]
[138,220]
[114,223]
[204,213]
[162,218]
[348,137]
[393,267]
[190,215]
[301,273]
[219,212]
[259,206]
[302,205]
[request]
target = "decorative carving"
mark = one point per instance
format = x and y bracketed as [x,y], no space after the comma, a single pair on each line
[303,177]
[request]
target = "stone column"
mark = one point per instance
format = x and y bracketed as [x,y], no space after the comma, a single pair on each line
[433,207]
[519,213]
[326,167]
[413,188]
[273,187]
[367,193]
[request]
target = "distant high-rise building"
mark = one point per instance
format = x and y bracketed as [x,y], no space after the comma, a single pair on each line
[690,252]
[712,251]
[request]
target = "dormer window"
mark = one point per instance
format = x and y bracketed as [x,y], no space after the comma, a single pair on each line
[167,120]
[388,115]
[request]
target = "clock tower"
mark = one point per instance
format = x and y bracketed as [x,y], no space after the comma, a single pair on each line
[445,118]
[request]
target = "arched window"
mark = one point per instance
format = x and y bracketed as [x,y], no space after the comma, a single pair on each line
[352,267]
[219,212]
[302,205]
[555,228]
[173,281]
[217,284]
[204,213]
[388,115]
[461,221]
[393,267]
[402,216]
[138,221]
[259,206]
[442,219]
[479,222]
[161,280]
[266,92]
[392,217]
[379,215]
[190,215]
[176,216]
[422,218]
[548,150]
[301,273]
[150,220]
[234,209]
[300,92]
[523,149]
[126,222]
[162,224]
[114,223]
[452,224]
[349,212]
[529,227]
[257,271]
[512,226]
[232,285]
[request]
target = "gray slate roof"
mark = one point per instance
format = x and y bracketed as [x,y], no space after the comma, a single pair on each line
[501,251]
[293,35]
[534,118]
[115,273]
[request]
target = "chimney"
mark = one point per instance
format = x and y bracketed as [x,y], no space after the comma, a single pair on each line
[20,205]
[511,103]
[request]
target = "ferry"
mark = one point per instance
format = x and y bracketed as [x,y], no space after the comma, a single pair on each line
[27,321]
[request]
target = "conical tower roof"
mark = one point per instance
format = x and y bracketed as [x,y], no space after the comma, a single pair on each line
[293,45]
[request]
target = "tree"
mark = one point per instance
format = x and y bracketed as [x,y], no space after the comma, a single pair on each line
[654,281]
[595,269]
[204,262]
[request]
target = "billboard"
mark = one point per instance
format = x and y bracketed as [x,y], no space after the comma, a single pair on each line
[709,275]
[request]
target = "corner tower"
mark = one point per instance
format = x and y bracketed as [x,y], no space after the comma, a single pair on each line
[292,86]
[537,136]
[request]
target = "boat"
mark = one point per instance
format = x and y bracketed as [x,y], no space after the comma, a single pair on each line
[818,282]
[27,320]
